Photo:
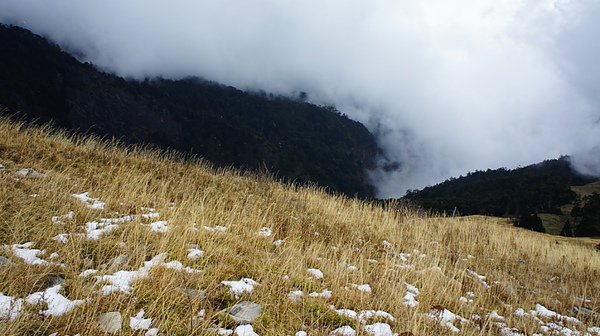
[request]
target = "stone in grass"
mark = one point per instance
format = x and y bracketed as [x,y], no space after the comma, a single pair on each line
[245,312]
[118,263]
[29,172]
[3,262]
[110,322]
[194,294]
[53,281]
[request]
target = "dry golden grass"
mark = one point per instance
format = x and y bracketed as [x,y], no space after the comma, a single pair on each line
[330,233]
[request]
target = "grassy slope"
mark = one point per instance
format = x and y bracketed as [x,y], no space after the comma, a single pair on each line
[540,269]
[587,190]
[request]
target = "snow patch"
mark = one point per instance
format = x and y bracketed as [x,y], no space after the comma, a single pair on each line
[195,253]
[57,304]
[139,322]
[315,272]
[10,308]
[409,298]
[343,331]
[265,232]
[29,256]
[92,203]
[366,288]
[240,287]
[326,294]
[160,227]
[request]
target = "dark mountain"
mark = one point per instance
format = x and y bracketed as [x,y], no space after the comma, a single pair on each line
[296,140]
[544,197]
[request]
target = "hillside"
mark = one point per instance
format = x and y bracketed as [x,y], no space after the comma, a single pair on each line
[292,139]
[540,197]
[91,232]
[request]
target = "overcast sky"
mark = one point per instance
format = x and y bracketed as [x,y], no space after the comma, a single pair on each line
[447,86]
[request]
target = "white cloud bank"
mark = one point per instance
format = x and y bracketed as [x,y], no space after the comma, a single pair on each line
[448,86]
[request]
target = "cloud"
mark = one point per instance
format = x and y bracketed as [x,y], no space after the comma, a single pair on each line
[587,163]
[448,87]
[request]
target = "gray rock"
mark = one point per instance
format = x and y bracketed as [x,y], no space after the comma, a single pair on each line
[29,172]
[245,312]
[3,262]
[584,313]
[510,290]
[194,294]
[110,322]
[118,263]
[53,281]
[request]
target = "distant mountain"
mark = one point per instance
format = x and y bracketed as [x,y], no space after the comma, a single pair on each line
[294,139]
[547,197]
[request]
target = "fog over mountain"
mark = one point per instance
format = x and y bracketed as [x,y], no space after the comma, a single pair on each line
[448,87]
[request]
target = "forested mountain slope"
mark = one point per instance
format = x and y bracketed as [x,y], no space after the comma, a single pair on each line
[291,138]
[544,197]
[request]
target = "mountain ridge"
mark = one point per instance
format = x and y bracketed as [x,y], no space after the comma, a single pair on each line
[292,139]
[541,197]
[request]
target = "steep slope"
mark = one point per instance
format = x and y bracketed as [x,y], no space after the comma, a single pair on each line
[170,247]
[294,140]
[538,197]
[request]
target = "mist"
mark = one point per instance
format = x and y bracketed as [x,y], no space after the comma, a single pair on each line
[447,87]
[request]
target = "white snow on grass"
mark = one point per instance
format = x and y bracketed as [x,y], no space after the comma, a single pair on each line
[463,299]
[29,256]
[151,215]
[325,294]
[88,272]
[222,331]
[216,228]
[151,332]
[265,232]
[347,313]
[315,272]
[59,219]
[541,311]
[495,316]
[245,330]
[481,278]
[194,253]
[177,265]
[92,203]
[139,322]
[366,288]
[121,280]
[379,329]
[10,307]
[409,298]
[95,229]
[278,242]
[366,315]
[446,318]
[61,238]
[244,285]
[159,226]
[57,304]
[594,330]
[295,296]
[343,331]
[119,220]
